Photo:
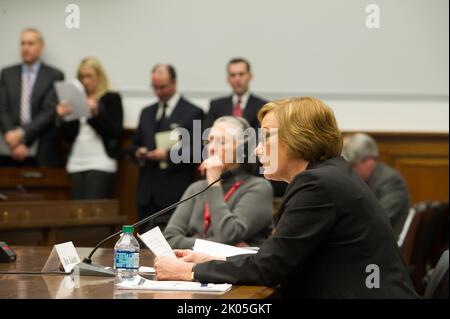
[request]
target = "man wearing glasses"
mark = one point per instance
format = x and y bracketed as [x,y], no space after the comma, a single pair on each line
[161,181]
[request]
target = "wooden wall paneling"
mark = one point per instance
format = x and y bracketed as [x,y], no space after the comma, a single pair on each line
[51,222]
[422,159]
[42,183]
[127,179]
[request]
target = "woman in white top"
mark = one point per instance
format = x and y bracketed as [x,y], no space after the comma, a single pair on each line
[94,140]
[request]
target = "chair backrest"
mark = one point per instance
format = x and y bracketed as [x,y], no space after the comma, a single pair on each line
[406,226]
[421,254]
[438,286]
[439,240]
[408,243]
[424,236]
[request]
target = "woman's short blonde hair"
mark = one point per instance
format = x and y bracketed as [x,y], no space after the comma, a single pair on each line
[307,126]
[103,85]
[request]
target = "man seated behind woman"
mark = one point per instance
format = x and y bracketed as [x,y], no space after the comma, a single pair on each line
[236,211]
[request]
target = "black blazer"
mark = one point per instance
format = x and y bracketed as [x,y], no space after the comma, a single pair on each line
[224,106]
[108,123]
[330,227]
[164,186]
[43,102]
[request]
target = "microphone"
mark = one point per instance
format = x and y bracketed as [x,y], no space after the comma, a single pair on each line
[228,173]
[87,268]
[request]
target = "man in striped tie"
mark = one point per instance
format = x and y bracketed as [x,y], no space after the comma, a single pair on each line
[27,108]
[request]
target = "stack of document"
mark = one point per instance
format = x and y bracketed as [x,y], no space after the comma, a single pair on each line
[140,283]
[146,270]
[221,250]
[156,242]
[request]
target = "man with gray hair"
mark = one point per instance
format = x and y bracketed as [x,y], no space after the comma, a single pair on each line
[361,151]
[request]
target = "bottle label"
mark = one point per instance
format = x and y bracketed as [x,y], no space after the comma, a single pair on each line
[126,259]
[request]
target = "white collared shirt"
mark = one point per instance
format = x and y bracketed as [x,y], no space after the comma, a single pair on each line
[171,104]
[244,99]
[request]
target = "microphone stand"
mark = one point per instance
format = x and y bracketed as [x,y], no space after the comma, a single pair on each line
[87,268]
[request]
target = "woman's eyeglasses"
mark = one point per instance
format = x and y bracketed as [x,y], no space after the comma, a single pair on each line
[265,134]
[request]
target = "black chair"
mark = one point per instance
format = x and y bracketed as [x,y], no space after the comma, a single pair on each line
[437,288]
[439,240]
[417,246]
[406,228]
[425,238]
[409,242]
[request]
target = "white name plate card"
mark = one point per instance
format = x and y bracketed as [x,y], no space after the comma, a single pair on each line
[63,254]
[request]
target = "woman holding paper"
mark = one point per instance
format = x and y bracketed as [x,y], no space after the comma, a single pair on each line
[332,239]
[94,141]
[237,211]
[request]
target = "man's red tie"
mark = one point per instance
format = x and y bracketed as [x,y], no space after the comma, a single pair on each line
[237,111]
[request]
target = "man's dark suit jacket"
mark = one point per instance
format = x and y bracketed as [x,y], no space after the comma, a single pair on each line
[43,102]
[163,186]
[390,189]
[108,124]
[224,106]
[330,227]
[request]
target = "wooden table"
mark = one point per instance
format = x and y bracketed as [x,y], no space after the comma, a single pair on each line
[66,286]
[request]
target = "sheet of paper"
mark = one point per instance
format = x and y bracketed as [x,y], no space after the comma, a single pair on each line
[140,283]
[73,93]
[156,242]
[166,139]
[144,269]
[219,250]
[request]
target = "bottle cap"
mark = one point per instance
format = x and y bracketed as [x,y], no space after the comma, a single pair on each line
[127,229]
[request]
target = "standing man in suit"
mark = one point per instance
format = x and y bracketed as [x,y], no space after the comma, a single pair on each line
[242,103]
[161,181]
[361,151]
[27,108]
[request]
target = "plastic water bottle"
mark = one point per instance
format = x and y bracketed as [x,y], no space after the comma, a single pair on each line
[126,255]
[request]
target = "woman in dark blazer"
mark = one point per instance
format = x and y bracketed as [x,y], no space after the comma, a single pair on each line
[332,238]
[94,141]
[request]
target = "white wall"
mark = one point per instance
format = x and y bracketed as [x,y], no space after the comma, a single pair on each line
[390,79]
